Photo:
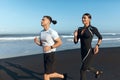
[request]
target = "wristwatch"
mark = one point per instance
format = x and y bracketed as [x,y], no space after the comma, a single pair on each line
[51,47]
[98,45]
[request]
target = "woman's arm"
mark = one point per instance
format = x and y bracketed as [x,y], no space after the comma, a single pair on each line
[99,42]
[96,49]
[76,36]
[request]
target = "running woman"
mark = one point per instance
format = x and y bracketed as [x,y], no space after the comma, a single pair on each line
[85,34]
[49,40]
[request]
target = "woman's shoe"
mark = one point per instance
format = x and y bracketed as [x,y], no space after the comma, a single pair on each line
[98,73]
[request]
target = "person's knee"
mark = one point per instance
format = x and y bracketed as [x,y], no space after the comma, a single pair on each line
[84,69]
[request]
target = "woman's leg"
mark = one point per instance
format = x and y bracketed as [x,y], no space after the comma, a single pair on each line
[90,61]
[82,74]
[86,64]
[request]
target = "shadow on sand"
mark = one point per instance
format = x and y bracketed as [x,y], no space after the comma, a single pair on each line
[26,73]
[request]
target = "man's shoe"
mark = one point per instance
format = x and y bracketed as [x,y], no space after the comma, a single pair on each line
[65,77]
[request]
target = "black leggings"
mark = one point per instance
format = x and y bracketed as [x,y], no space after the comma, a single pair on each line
[86,65]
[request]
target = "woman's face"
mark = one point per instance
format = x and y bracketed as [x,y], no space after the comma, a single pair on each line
[45,21]
[86,20]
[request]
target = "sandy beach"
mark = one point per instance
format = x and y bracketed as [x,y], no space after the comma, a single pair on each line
[68,61]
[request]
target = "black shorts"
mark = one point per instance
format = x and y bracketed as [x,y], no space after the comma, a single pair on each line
[49,62]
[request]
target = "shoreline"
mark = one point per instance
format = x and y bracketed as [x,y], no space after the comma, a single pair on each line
[56,52]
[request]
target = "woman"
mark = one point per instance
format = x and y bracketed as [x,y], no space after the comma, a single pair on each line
[49,40]
[85,34]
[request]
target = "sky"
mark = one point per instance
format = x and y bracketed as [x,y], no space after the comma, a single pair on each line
[24,16]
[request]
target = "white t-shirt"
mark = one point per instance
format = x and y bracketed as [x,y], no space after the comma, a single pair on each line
[47,38]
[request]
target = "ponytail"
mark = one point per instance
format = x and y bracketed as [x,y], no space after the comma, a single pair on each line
[50,19]
[54,21]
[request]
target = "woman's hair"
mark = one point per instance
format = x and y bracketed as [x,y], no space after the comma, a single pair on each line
[50,19]
[87,14]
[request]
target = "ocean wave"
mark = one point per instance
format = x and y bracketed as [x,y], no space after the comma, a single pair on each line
[105,39]
[104,34]
[70,38]
[16,38]
[112,34]
[67,36]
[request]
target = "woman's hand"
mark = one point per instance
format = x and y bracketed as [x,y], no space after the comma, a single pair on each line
[75,36]
[75,33]
[96,49]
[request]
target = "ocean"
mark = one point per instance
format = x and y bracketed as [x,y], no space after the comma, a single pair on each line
[15,45]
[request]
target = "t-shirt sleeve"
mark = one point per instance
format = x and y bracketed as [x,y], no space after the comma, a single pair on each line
[55,35]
